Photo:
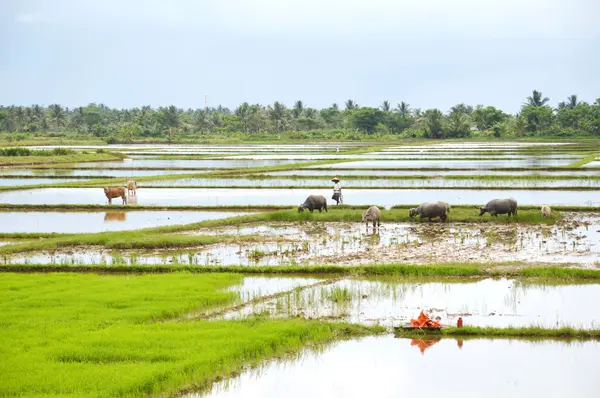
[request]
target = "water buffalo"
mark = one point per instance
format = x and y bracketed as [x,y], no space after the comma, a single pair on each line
[500,206]
[115,192]
[430,210]
[131,187]
[313,202]
[372,214]
[546,211]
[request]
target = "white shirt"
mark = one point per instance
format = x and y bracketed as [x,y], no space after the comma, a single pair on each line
[337,187]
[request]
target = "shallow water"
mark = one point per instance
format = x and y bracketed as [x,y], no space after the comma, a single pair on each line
[343,244]
[294,197]
[462,164]
[93,173]
[389,367]
[87,222]
[394,301]
[178,163]
[592,164]
[382,173]
[12,182]
[392,183]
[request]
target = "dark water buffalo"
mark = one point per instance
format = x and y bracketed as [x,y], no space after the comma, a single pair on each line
[500,206]
[313,202]
[430,210]
[115,192]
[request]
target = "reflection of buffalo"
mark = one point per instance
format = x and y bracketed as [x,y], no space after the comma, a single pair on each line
[115,192]
[115,216]
[131,187]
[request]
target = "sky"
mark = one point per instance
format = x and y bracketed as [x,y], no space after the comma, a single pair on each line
[429,53]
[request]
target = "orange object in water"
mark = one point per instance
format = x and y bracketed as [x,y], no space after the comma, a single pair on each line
[423,344]
[459,324]
[423,321]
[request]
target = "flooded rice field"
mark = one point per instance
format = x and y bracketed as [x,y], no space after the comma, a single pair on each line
[577,173]
[373,183]
[394,301]
[88,222]
[389,367]
[183,163]
[459,164]
[12,182]
[576,241]
[294,197]
[92,173]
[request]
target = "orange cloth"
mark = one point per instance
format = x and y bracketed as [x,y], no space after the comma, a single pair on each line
[423,321]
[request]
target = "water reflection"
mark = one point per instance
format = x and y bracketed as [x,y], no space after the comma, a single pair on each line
[424,343]
[115,216]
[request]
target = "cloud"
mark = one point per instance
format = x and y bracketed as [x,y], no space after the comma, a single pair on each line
[29,18]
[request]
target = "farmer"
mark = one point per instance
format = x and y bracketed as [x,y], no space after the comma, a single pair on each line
[337,191]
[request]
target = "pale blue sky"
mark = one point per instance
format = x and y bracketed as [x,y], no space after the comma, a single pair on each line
[431,53]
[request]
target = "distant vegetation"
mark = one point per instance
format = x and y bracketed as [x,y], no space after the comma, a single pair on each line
[348,121]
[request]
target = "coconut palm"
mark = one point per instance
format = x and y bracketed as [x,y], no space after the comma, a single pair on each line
[310,113]
[277,115]
[57,115]
[403,109]
[434,119]
[459,125]
[385,106]
[201,120]
[537,99]
[19,117]
[335,106]
[297,109]
[351,105]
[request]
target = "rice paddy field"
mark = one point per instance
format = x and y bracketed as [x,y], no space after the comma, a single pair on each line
[208,281]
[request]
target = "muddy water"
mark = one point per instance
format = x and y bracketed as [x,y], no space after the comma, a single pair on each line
[389,367]
[294,197]
[392,183]
[383,173]
[394,301]
[93,173]
[12,182]
[178,163]
[576,242]
[87,222]
[476,164]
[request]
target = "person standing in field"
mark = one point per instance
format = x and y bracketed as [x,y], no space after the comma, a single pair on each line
[337,191]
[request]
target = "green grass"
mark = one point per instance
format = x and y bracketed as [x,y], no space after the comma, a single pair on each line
[587,159]
[99,335]
[508,332]
[440,270]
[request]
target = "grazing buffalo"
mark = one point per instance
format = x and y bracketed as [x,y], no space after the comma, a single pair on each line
[500,206]
[132,187]
[313,202]
[546,211]
[115,192]
[430,210]
[372,214]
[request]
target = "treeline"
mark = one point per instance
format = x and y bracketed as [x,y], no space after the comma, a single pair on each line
[535,118]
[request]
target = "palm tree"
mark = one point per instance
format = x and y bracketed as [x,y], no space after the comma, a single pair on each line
[462,108]
[297,109]
[19,116]
[351,105]
[520,125]
[38,112]
[434,119]
[403,109]
[243,113]
[385,106]
[277,115]
[310,113]
[335,106]
[78,117]
[57,115]
[201,120]
[537,99]
[459,124]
